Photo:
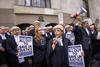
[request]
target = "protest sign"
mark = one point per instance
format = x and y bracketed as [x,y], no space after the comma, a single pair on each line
[75,56]
[25,46]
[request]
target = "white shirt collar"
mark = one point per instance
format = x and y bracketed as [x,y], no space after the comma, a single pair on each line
[16,38]
[60,41]
[3,36]
[69,32]
[87,31]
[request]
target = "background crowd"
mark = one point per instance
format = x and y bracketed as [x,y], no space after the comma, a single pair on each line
[50,44]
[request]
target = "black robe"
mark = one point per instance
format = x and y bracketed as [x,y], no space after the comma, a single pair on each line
[59,56]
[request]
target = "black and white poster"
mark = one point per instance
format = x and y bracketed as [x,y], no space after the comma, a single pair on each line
[25,46]
[75,56]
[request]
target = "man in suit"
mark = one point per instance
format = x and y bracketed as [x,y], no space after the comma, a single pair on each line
[12,44]
[31,31]
[83,36]
[96,42]
[93,38]
[49,34]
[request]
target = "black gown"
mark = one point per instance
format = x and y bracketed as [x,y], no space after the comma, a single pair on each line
[59,56]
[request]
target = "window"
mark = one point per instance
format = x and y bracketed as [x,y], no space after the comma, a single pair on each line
[27,2]
[38,3]
[48,3]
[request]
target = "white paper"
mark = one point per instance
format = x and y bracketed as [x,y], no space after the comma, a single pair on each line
[21,60]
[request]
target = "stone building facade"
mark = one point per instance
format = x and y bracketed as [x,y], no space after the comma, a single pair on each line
[21,12]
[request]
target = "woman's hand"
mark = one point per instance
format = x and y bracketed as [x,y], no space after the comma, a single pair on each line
[2,49]
[54,43]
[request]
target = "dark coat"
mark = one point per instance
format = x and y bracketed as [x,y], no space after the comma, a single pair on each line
[93,42]
[97,50]
[49,36]
[81,37]
[96,45]
[94,35]
[78,35]
[31,33]
[96,56]
[3,54]
[11,51]
[59,56]
[12,46]
[86,39]
[39,53]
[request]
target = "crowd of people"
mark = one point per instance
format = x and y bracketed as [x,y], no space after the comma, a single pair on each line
[50,44]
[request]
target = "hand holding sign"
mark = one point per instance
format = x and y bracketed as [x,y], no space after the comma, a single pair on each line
[75,56]
[98,37]
[25,47]
[1,48]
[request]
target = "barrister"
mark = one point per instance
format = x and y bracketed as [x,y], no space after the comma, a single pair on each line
[57,53]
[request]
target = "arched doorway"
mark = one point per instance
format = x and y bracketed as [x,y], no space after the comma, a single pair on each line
[51,24]
[23,25]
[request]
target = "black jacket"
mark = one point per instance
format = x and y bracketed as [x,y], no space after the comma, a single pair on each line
[81,37]
[12,52]
[3,59]
[39,53]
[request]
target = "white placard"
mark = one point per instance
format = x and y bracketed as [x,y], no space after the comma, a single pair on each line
[75,56]
[25,46]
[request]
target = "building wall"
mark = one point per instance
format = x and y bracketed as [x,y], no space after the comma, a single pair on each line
[71,6]
[21,14]
[33,10]
[56,4]
[20,2]
[20,19]
[7,17]
[7,4]
[94,8]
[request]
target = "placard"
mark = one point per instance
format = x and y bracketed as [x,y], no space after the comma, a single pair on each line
[75,56]
[25,46]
